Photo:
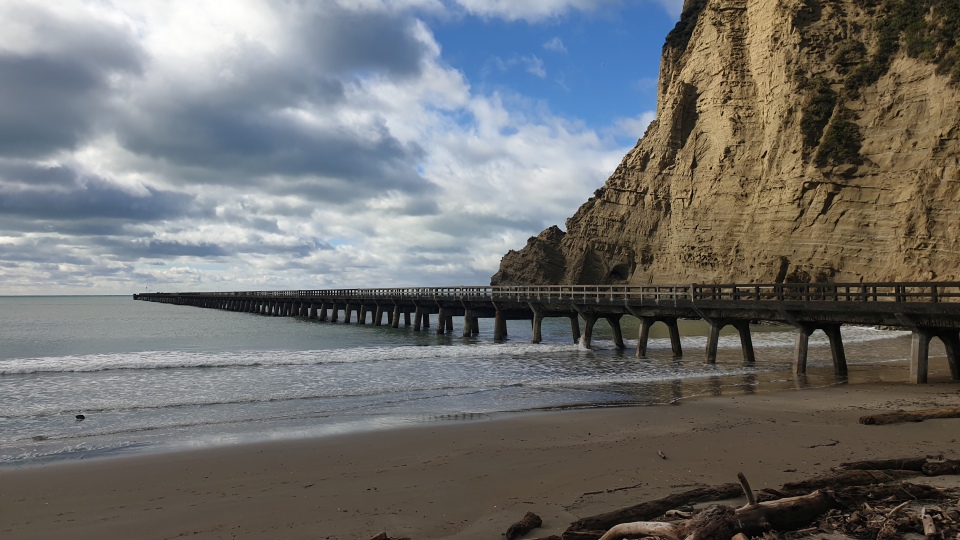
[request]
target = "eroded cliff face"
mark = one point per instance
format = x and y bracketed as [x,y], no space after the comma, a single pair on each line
[787,148]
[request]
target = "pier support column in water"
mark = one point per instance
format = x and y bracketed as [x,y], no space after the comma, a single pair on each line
[323,311]
[746,342]
[417,319]
[713,341]
[313,310]
[674,330]
[334,312]
[406,318]
[347,312]
[802,347]
[441,322]
[537,324]
[362,314]
[468,323]
[920,352]
[499,327]
[644,335]
[836,349]
[395,320]
[575,328]
[588,321]
[426,319]
[614,322]
[378,316]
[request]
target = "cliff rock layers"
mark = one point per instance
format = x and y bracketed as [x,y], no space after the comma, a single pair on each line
[795,140]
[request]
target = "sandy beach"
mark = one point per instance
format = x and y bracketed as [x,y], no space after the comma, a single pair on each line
[469,479]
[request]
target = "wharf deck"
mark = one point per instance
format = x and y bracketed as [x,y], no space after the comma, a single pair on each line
[928,309]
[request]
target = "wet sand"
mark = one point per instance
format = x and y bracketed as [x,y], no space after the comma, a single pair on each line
[469,480]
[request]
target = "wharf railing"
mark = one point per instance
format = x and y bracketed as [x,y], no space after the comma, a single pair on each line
[907,292]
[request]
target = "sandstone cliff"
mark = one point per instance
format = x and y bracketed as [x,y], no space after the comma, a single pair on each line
[796,140]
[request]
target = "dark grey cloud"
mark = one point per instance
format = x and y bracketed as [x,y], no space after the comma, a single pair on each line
[241,146]
[46,251]
[345,41]
[64,195]
[244,132]
[52,98]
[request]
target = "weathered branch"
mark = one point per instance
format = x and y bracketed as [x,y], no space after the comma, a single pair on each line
[745,485]
[844,479]
[529,522]
[721,521]
[652,509]
[901,417]
[784,514]
[903,464]
[937,468]
[644,528]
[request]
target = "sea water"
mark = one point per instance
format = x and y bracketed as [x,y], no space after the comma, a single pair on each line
[154,377]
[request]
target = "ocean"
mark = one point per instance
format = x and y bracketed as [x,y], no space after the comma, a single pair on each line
[152,377]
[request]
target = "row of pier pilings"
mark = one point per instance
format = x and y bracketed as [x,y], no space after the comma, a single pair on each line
[418,315]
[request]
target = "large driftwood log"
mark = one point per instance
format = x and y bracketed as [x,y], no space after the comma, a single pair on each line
[852,496]
[722,522]
[529,522]
[901,417]
[845,478]
[670,531]
[937,468]
[903,464]
[784,514]
[652,509]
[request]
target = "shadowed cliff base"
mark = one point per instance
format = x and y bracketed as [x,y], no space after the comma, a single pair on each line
[795,141]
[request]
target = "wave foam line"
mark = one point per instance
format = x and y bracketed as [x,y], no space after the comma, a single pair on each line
[191,359]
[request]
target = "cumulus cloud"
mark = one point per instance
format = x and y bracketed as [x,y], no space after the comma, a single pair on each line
[555,45]
[634,127]
[179,145]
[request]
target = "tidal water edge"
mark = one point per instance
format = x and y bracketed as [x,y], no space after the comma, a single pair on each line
[153,377]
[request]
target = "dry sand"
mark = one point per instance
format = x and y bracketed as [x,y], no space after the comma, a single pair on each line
[469,480]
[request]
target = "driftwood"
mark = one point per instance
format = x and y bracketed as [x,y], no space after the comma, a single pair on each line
[652,509]
[582,535]
[901,417]
[784,514]
[937,468]
[856,500]
[724,522]
[529,522]
[844,479]
[902,464]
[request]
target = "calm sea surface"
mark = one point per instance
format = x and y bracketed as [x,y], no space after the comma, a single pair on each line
[153,377]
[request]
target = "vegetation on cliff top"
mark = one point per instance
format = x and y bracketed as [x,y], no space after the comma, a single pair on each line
[679,37]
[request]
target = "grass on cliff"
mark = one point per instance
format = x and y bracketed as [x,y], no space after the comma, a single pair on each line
[928,30]
[679,37]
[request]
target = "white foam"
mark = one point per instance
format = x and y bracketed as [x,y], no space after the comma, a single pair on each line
[192,359]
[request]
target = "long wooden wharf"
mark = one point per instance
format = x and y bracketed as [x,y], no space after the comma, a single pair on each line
[929,309]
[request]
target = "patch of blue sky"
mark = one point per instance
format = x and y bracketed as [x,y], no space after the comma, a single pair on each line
[597,67]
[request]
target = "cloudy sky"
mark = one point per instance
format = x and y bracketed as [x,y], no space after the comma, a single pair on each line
[169,145]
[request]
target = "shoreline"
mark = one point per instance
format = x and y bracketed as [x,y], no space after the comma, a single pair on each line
[469,479]
[685,390]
